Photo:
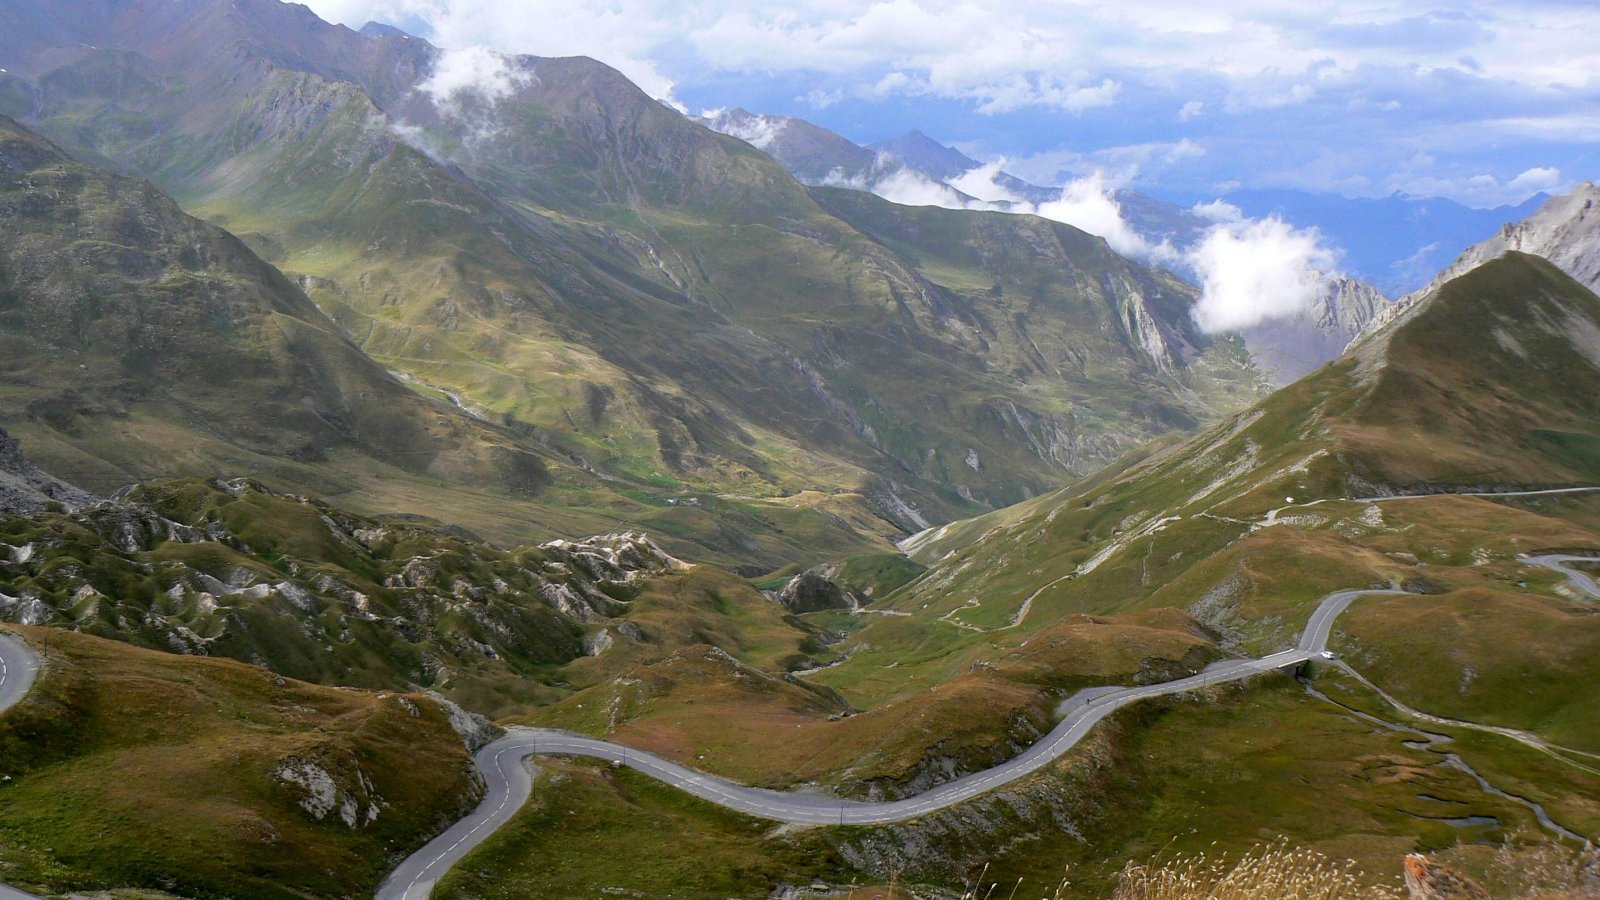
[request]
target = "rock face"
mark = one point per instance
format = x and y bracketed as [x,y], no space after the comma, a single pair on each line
[1565,230]
[1288,349]
[812,591]
[25,488]
[1426,880]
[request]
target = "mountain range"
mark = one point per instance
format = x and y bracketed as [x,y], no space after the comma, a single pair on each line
[660,317]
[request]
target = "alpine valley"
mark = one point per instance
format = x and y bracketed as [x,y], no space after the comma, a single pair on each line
[537,491]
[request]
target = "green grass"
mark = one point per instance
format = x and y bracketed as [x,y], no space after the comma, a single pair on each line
[1495,657]
[590,831]
[135,769]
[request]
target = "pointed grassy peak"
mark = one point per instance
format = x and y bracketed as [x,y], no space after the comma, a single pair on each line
[1485,386]
[1487,382]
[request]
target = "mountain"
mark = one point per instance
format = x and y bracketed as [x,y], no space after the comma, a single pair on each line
[1192,551]
[810,152]
[116,307]
[1289,348]
[1234,522]
[916,169]
[1242,529]
[25,488]
[662,315]
[212,777]
[1564,230]
[943,163]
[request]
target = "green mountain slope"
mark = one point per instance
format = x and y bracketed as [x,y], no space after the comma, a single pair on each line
[147,338]
[645,298]
[1244,526]
[1188,550]
[127,769]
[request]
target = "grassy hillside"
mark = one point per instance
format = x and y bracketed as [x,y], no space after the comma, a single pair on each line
[1196,542]
[127,768]
[230,568]
[116,307]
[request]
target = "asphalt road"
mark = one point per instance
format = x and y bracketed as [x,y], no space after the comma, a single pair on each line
[1488,494]
[18,668]
[509,782]
[1583,581]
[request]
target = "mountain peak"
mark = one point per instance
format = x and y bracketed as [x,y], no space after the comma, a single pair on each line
[919,151]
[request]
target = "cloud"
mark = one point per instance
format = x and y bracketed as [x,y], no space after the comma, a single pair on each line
[983,183]
[1532,181]
[1088,204]
[478,71]
[1218,211]
[1265,85]
[757,131]
[1254,270]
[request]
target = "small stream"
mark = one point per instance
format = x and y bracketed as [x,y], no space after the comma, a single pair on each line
[1433,742]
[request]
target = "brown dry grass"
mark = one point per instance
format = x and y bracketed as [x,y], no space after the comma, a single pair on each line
[1271,872]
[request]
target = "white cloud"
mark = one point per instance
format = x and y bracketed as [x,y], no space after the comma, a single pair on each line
[1254,270]
[1218,211]
[757,131]
[982,183]
[1088,204]
[1532,181]
[1193,109]
[478,71]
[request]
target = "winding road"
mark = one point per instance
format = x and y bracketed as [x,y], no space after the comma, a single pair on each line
[1583,581]
[509,783]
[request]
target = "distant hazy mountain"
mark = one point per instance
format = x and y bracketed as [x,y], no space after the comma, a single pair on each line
[1284,349]
[1564,230]
[1287,349]
[810,152]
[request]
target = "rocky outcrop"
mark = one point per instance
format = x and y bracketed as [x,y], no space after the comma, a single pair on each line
[1426,880]
[1566,231]
[1288,349]
[619,556]
[814,591]
[25,488]
[317,589]
[475,730]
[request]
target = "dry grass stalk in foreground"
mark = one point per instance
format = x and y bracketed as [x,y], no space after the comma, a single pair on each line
[1273,872]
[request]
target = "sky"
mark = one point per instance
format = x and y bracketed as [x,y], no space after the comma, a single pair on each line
[1483,103]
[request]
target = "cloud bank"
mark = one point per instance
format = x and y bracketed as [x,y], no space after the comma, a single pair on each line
[1249,270]
[1315,95]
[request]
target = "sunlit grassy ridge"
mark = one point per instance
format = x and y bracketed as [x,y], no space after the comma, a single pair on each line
[130,768]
